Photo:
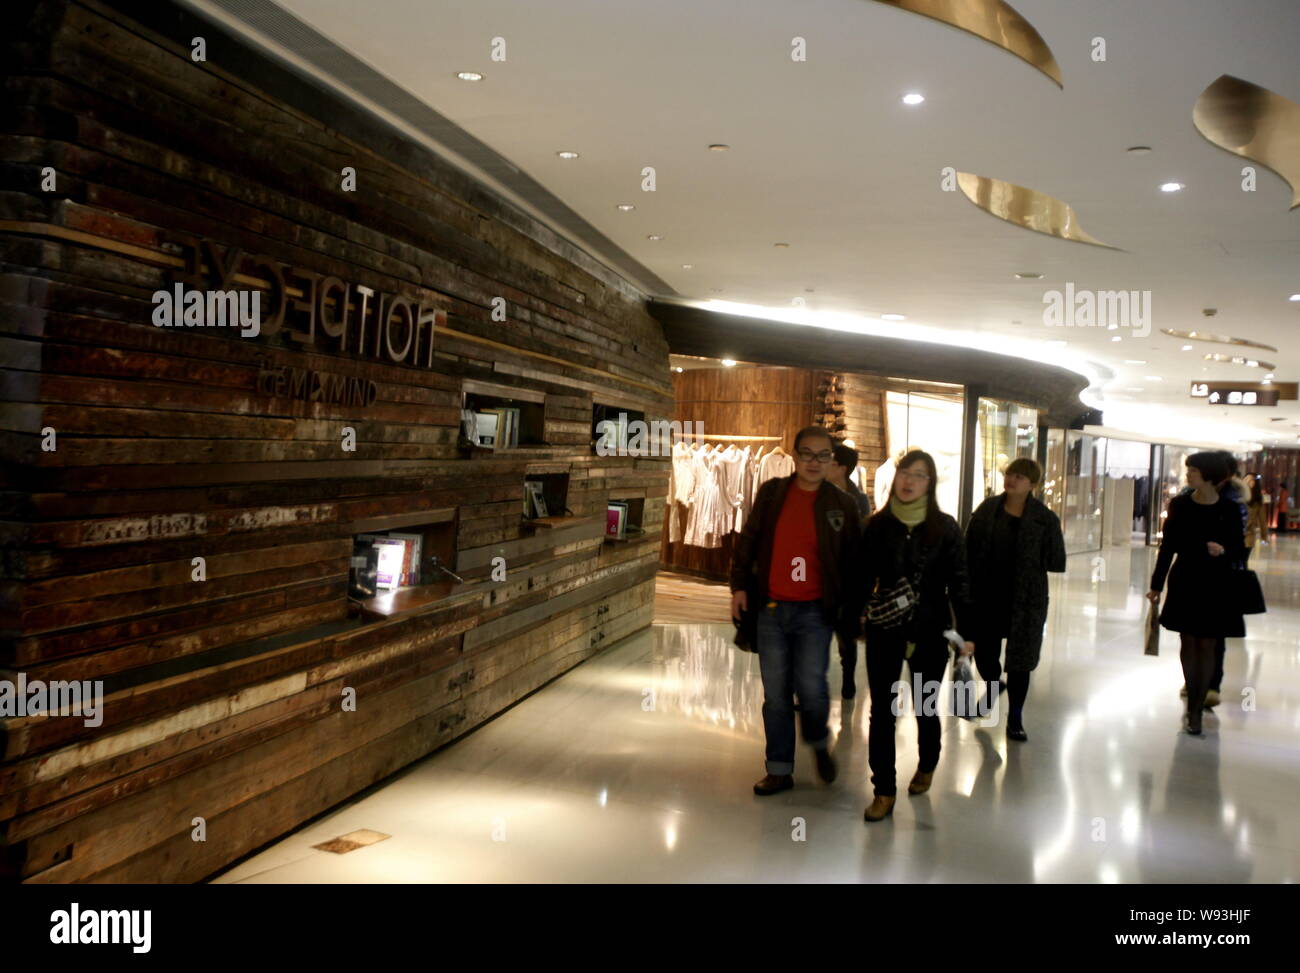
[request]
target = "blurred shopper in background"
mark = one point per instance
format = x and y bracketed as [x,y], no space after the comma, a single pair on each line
[1012,541]
[1256,518]
[795,566]
[914,567]
[1203,541]
[839,473]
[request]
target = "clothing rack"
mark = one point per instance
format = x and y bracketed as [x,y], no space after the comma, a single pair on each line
[764,439]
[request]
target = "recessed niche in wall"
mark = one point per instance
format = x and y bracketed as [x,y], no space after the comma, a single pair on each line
[610,427]
[623,519]
[499,417]
[546,499]
[403,561]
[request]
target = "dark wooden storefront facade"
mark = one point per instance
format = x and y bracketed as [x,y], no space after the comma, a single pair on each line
[224,696]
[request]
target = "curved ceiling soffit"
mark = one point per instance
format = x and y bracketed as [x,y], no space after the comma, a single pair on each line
[1254,123]
[1027,208]
[994,21]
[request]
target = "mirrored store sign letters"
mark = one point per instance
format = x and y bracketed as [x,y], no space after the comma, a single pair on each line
[316,309]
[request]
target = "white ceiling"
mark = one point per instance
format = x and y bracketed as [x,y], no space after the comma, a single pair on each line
[824,156]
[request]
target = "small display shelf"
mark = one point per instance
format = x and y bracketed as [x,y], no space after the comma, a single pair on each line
[546,498]
[499,417]
[399,561]
[623,516]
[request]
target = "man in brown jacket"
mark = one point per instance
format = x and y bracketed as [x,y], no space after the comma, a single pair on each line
[795,567]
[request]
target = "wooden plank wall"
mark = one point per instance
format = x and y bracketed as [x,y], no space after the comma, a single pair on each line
[224,696]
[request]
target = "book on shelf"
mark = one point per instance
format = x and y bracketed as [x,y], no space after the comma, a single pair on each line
[485,428]
[392,552]
[616,519]
[411,560]
[534,499]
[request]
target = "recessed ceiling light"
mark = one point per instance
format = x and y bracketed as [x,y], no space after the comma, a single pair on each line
[1295,297]
[679,369]
[1187,347]
[728,363]
[913,98]
[654,236]
[567,154]
[1140,149]
[1172,187]
[688,266]
[626,207]
[784,245]
[1029,276]
[893,317]
[470,76]
[1268,377]
[1117,338]
[718,147]
[1134,361]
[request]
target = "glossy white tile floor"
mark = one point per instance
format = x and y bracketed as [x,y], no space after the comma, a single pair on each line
[637,767]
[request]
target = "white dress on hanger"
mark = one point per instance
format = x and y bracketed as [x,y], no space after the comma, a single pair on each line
[706,503]
[775,464]
[731,475]
[681,487]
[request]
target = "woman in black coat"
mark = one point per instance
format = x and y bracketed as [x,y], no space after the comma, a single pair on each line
[1203,541]
[910,535]
[1012,541]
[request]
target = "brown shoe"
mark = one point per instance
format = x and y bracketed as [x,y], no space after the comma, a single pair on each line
[920,783]
[881,808]
[774,784]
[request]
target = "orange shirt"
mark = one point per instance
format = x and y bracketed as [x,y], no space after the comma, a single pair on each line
[796,537]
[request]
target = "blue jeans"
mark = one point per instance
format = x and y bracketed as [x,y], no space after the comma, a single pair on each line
[794,651]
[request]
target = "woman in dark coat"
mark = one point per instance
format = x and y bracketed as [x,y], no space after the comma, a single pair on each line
[1012,541]
[1203,541]
[910,535]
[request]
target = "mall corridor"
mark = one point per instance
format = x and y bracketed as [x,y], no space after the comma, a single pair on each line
[636,767]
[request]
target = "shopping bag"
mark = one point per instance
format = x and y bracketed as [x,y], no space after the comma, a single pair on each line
[1153,630]
[963,696]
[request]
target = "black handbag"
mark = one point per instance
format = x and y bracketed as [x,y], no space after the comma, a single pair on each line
[894,606]
[1247,595]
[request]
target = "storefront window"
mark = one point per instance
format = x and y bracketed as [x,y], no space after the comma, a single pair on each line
[1003,431]
[932,423]
[1054,473]
[1085,491]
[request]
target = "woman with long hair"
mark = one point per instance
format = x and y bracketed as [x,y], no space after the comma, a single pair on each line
[914,564]
[1202,542]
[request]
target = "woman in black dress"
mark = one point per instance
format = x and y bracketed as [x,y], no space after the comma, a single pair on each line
[1012,541]
[1203,530]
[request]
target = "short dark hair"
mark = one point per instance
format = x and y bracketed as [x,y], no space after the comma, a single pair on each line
[1230,460]
[809,431]
[846,456]
[1026,467]
[1211,465]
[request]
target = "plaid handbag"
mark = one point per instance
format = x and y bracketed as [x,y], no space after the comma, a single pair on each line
[894,606]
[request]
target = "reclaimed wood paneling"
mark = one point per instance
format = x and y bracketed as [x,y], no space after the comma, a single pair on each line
[223,696]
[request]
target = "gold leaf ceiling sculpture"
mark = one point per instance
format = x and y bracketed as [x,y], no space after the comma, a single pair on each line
[1254,123]
[994,21]
[1027,208]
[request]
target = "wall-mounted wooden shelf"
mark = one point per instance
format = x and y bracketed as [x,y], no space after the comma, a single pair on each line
[403,601]
[552,522]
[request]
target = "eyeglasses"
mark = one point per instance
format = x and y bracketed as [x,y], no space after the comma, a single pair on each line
[914,476]
[807,455]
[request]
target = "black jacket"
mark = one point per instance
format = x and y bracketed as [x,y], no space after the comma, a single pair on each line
[1040,548]
[838,538]
[890,552]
